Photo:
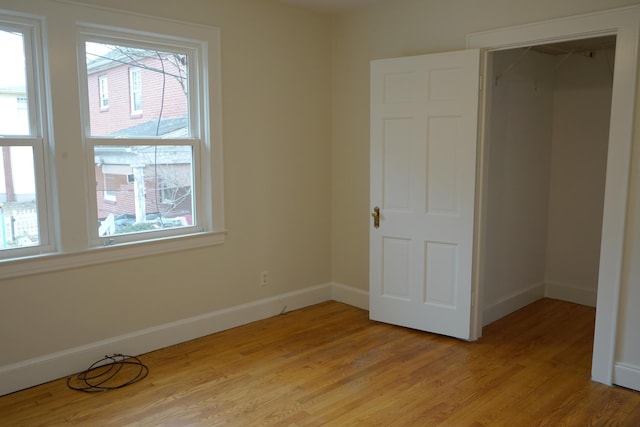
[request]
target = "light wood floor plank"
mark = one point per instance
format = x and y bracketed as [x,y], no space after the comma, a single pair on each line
[330,365]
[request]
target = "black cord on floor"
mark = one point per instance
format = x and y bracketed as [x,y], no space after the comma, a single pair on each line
[101,376]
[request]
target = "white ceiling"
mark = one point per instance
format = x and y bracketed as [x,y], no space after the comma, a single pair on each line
[330,6]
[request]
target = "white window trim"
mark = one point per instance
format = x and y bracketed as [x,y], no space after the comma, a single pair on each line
[195,51]
[39,125]
[71,254]
[207,149]
[39,264]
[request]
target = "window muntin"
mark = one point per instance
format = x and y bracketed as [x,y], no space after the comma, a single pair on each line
[25,214]
[146,167]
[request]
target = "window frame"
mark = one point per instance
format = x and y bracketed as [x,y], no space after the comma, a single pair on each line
[39,134]
[91,142]
[198,124]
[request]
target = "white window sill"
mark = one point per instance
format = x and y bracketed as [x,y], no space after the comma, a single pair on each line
[61,261]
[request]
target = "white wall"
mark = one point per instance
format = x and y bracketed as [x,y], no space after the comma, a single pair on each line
[581,111]
[518,180]
[547,162]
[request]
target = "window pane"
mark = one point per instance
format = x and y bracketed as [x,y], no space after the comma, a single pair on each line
[14,116]
[18,211]
[147,92]
[143,188]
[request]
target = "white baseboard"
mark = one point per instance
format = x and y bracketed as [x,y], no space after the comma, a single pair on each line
[570,293]
[38,370]
[627,376]
[350,295]
[512,303]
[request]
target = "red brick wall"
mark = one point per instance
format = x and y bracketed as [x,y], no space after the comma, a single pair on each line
[118,115]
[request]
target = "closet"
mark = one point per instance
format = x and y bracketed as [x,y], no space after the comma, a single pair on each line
[547,153]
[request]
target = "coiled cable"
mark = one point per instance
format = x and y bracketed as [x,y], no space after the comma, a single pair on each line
[109,373]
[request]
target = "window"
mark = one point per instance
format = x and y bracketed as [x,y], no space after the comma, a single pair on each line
[148,170]
[22,110]
[135,91]
[24,211]
[110,184]
[149,183]
[103,92]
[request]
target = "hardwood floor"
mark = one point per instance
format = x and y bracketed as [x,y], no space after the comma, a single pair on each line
[330,365]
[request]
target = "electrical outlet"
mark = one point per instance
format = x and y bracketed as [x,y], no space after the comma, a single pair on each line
[264,278]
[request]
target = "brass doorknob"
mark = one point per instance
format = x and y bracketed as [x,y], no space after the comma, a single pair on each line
[376,217]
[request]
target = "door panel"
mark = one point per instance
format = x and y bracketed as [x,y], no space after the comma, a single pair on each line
[396,256]
[424,117]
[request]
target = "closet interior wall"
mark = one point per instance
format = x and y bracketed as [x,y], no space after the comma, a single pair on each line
[547,153]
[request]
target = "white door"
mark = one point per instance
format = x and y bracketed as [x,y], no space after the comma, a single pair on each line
[424,122]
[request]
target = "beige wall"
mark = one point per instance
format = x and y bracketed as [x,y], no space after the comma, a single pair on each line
[296,142]
[276,102]
[392,29]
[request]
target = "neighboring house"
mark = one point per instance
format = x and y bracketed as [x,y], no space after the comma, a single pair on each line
[118,169]
[137,93]
[16,184]
[119,107]
[129,88]
[13,109]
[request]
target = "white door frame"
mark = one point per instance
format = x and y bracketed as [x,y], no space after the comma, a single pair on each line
[625,23]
